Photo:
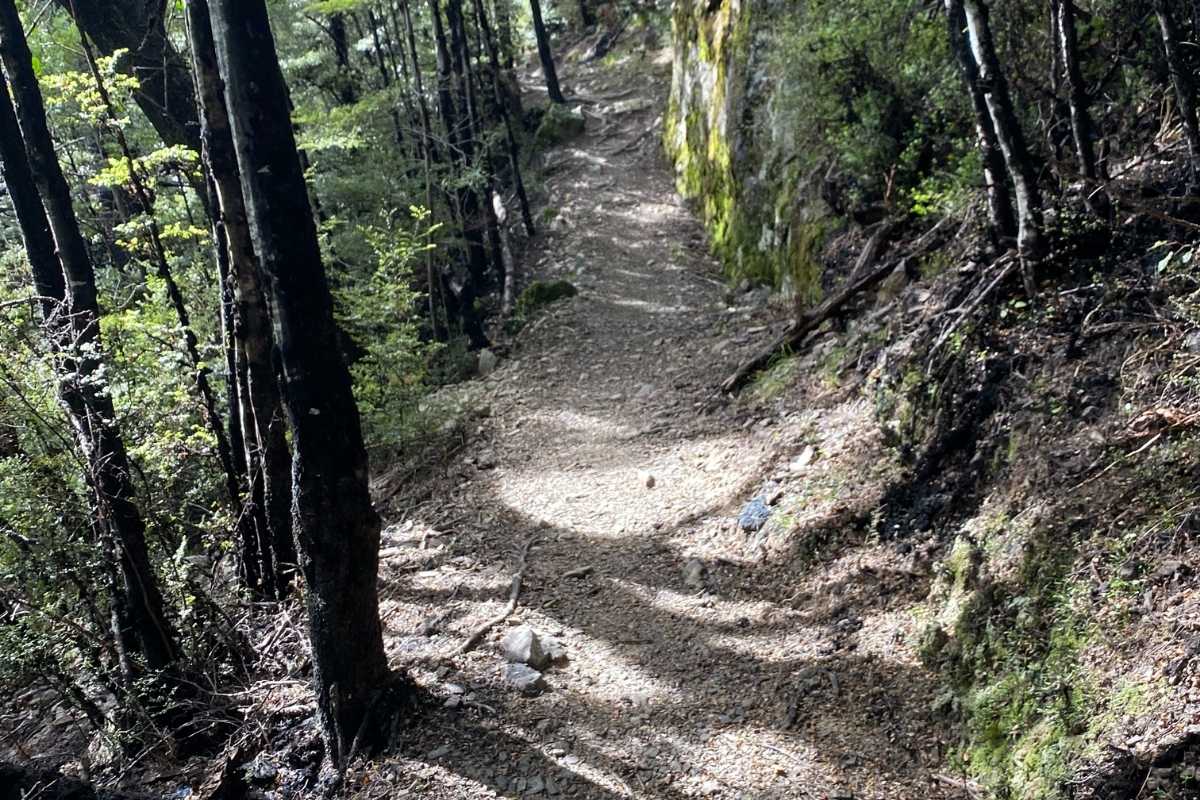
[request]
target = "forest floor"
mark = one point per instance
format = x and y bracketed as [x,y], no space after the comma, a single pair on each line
[700,660]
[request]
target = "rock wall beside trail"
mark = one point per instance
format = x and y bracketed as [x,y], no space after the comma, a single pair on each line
[733,157]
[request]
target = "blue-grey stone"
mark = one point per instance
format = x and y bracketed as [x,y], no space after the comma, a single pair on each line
[754,515]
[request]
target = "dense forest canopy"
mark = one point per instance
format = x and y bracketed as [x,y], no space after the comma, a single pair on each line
[251,250]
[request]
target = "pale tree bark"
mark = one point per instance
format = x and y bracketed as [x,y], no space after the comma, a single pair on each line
[337,530]
[269,462]
[32,170]
[1011,140]
[1077,95]
[1181,79]
[1000,208]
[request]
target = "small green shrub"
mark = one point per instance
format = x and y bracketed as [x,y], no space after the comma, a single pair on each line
[540,294]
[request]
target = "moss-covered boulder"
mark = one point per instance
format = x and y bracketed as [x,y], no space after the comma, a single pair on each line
[559,124]
[540,294]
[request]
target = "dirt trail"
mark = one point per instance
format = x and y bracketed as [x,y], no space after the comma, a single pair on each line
[701,661]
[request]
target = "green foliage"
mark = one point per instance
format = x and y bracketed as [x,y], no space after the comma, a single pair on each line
[382,315]
[559,124]
[540,294]
[872,88]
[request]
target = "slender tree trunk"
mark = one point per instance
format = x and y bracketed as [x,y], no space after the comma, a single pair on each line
[336,527]
[1000,210]
[587,16]
[140,620]
[208,399]
[545,53]
[384,77]
[268,457]
[473,141]
[1011,140]
[1081,117]
[510,139]
[1185,89]
[345,86]
[460,148]
[504,33]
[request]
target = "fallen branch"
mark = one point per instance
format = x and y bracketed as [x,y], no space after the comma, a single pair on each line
[969,309]
[514,592]
[797,331]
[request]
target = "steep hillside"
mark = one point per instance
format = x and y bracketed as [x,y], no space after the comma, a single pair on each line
[1037,453]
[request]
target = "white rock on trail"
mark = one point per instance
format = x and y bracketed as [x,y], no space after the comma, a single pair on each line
[523,645]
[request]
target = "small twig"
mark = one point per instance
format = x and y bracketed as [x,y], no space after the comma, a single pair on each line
[580,572]
[974,304]
[514,592]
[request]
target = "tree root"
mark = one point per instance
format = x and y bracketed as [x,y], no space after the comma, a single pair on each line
[514,592]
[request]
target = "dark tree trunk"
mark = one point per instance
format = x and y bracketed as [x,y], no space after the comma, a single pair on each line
[385,76]
[1011,140]
[336,527]
[201,372]
[587,17]
[504,33]
[165,93]
[345,85]
[139,617]
[465,287]
[473,141]
[545,53]
[1185,89]
[269,461]
[1077,95]
[510,139]
[1000,210]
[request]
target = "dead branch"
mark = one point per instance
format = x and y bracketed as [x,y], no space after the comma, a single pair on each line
[514,592]
[796,332]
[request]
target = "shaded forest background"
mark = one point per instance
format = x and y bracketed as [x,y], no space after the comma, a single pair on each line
[1035,162]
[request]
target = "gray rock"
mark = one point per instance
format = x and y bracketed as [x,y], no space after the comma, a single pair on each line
[523,645]
[524,679]
[754,515]
[693,574]
[488,361]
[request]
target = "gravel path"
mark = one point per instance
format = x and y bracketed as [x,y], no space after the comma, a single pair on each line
[701,661]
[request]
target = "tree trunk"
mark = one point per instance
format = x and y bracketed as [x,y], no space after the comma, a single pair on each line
[337,529]
[1000,210]
[1185,90]
[1077,96]
[268,457]
[465,287]
[208,400]
[587,17]
[345,88]
[1011,140]
[510,139]
[165,92]
[504,33]
[140,622]
[545,53]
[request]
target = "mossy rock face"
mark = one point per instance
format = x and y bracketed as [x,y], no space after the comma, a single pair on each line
[766,219]
[540,294]
[559,124]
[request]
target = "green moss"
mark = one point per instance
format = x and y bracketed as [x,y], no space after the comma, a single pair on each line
[773,381]
[559,124]
[540,294]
